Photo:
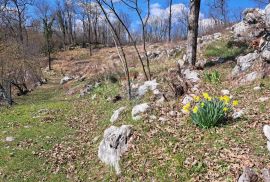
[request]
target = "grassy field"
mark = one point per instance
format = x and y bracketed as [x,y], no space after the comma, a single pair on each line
[56,136]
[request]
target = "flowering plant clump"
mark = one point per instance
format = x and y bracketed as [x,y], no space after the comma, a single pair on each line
[210,111]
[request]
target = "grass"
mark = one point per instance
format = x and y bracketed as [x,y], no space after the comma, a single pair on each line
[224,49]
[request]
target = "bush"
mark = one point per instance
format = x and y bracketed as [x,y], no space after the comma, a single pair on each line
[213,77]
[210,112]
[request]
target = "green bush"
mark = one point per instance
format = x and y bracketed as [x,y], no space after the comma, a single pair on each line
[210,112]
[213,77]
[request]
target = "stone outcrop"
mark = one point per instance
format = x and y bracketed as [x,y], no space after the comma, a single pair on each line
[114,144]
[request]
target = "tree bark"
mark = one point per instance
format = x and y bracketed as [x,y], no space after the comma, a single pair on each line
[193,31]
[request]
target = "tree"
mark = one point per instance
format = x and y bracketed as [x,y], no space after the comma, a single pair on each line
[193,31]
[117,40]
[170,21]
[47,16]
[218,9]
[111,7]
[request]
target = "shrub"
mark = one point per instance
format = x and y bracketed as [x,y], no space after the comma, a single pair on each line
[213,77]
[210,112]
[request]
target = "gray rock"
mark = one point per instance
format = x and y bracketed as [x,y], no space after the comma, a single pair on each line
[147,86]
[87,89]
[248,176]
[116,114]
[266,55]
[187,99]
[245,62]
[266,131]
[266,172]
[66,79]
[191,75]
[114,144]
[139,109]
[263,99]
[252,76]
[237,114]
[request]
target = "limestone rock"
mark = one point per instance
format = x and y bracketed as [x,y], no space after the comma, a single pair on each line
[248,176]
[114,144]
[266,173]
[116,114]
[245,62]
[266,131]
[191,75]
[147,86]
[139,109]
[66,79]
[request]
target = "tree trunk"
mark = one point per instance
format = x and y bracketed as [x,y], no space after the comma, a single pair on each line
[193,31]
[170,21]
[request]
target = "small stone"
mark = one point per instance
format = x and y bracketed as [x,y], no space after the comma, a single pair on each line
[225,92]
[9,139]
[187,99]
[237,114]
[263,99]
[116,114]
[257,88]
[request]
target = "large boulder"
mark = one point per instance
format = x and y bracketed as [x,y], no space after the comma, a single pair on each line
[253,25]
[244,62]
[114,143]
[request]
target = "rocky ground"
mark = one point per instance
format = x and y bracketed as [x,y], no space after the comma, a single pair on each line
[81,126]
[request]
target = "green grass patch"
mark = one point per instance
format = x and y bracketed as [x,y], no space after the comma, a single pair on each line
[225,49]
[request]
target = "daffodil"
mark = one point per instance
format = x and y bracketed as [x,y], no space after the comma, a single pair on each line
[206,96]
[195,109]
[186,107]
[225,109]
[235,103]
[226,99]
[197,98]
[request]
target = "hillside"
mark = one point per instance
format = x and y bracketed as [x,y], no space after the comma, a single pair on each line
[54,133]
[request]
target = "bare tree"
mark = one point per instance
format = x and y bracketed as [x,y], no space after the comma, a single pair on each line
[47,16]
[193,31]
[111,6]
[218,10]
[170,21]
[118,43]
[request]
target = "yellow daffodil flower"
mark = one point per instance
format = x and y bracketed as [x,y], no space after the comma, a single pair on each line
[186,107]
[195,109]
[225,109]
[206,96]
[197,98]
[226,99]
[235,103]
